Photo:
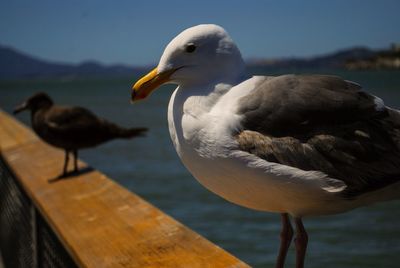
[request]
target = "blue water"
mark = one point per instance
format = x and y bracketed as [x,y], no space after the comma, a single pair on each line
[365,237]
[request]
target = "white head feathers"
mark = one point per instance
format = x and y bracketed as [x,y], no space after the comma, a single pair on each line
[203,53]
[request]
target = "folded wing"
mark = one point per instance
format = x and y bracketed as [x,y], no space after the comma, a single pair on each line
[323,123]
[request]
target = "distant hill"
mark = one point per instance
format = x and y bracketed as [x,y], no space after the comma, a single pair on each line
[15,64]
[336,60]
[384,59]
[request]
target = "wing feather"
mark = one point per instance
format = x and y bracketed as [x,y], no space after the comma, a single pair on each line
[323,123]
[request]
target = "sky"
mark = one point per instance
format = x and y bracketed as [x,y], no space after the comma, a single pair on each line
[136,32]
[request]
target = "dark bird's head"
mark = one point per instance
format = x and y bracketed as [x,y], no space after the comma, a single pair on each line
[36,102]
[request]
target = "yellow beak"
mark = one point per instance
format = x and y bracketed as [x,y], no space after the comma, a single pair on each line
[148,83]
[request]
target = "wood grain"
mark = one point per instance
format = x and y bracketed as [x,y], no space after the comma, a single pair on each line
[12,132]
[99,222]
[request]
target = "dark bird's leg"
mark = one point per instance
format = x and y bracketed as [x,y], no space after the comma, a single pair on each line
[75,152]
[65,163]
[301,243]
[286,239]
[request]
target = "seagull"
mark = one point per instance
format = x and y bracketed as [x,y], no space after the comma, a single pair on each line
[298,145]
[71,128]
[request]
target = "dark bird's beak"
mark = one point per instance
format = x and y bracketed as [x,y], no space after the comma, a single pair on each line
[21,107]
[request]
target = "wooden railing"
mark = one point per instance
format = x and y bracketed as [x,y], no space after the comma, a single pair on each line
[97,222]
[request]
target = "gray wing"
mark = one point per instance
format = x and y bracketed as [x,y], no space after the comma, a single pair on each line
[72,119]
[78,127]
[323,123]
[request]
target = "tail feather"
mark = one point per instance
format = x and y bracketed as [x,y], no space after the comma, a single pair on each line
[112,130]
[130,132]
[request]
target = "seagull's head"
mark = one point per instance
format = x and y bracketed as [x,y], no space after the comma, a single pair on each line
[34,103]
[199,55]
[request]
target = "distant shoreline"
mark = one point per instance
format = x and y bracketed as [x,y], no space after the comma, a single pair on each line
[17,65]
[383,60]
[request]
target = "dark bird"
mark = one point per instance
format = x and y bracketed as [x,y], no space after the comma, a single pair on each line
[71,128]
[298,145]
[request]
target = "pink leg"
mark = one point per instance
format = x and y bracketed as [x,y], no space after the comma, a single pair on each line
[286,238]
[301,243]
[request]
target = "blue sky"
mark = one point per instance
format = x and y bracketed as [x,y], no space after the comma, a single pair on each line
[136,32]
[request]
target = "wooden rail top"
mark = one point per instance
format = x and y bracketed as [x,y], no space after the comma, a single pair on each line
[100,223]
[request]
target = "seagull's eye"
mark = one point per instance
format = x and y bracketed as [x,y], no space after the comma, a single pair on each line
[190,48]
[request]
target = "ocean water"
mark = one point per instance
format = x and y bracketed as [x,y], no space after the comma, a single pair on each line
[365,237]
